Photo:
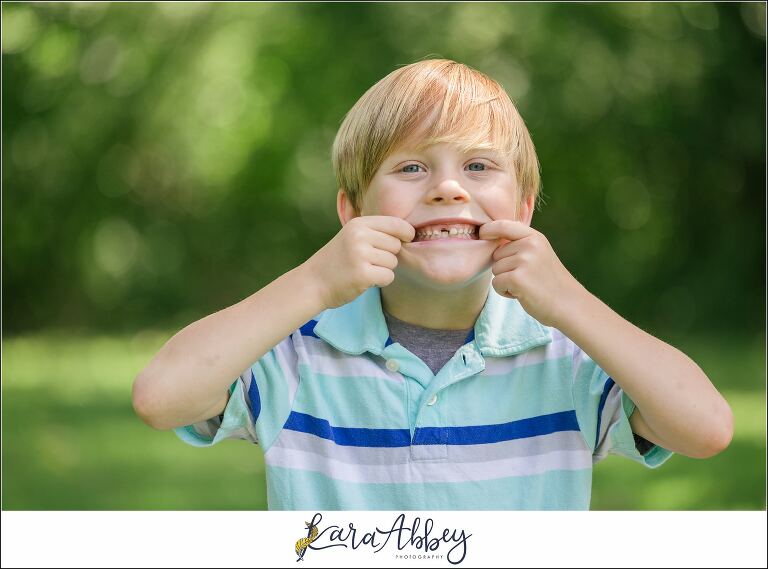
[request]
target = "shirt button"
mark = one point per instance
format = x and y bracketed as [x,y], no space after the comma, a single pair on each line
[392,365]
[432,400]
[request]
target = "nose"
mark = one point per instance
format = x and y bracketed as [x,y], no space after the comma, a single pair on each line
[448,190]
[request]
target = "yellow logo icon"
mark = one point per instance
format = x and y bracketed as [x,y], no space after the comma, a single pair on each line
[303,543]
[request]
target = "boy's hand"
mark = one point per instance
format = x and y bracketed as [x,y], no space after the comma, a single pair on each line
[361,255]
[527,269]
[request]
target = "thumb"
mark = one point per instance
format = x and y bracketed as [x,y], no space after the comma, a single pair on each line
[504,229]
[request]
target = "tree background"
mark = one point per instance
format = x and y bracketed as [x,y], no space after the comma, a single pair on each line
[163,161]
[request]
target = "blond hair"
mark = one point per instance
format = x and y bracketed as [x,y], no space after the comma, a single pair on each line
[465,107]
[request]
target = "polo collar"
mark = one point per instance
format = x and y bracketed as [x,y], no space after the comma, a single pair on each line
[502,329]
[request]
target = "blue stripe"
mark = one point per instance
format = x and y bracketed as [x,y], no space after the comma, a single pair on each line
[308,329]
[388,342]
[253,395]
[472,435]
[470,336]
[608,385]
[485,434]
[347,436]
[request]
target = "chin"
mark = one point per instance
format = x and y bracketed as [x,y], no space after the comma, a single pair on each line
[444,280]
[434,269]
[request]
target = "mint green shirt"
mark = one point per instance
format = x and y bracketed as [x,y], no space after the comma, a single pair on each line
[349,419]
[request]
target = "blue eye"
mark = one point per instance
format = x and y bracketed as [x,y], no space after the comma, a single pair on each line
[408,166]
[479,164]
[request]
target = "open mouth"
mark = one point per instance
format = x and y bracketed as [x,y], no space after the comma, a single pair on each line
[446,231]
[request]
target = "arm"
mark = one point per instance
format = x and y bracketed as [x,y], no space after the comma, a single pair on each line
[677,407]
[189,378]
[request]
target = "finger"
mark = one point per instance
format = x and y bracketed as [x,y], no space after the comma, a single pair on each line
[504,229]
[386,242]
[379,276]
[507,250]
[381,258]
[504,286]
[391,225]
[505,265]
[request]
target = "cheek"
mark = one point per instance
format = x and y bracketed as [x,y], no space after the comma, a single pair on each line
[501,206]
[389,202]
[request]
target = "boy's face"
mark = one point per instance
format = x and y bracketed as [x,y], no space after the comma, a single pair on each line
[433,190]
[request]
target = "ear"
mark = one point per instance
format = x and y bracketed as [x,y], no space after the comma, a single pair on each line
[344,207]
[526,210]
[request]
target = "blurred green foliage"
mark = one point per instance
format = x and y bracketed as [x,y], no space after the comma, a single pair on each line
[72,442]
[163,161]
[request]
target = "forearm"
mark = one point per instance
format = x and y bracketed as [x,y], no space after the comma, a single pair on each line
[679,405]
[194,369]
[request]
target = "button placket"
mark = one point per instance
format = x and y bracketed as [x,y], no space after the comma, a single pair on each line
[431,444]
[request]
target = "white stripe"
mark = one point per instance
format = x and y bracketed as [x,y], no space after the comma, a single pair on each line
[529,446]
[428,472]
[287,360]
[610,416]
[207,428]
[580,357]
[241,399]
[327,360]
[299,345]
[560,347]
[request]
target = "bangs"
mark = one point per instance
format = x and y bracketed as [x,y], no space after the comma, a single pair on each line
[470,112]
[471,125]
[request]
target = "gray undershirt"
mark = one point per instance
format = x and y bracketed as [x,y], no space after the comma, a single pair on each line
[435,347]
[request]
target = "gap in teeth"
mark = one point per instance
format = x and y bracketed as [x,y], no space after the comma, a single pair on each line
[461,231]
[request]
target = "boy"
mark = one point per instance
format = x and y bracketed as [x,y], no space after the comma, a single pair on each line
[435,354]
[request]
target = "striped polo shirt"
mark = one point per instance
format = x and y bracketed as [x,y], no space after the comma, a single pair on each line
[350,420]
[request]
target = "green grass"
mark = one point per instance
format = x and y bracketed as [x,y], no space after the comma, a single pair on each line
[72,442]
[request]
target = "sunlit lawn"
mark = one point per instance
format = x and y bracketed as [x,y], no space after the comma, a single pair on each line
[72,442]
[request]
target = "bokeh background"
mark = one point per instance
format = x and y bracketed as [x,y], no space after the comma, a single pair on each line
[164,161]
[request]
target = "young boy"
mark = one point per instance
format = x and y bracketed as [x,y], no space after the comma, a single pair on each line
[435,354]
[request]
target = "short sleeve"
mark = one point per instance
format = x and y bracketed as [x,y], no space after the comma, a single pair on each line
[603,411]
[259,403]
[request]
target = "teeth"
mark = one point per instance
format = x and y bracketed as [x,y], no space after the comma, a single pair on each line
[458,231]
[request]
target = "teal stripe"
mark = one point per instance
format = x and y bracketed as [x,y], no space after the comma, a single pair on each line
[293,489]
[537,389]
[623,442]
[189,435]
[368,402]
